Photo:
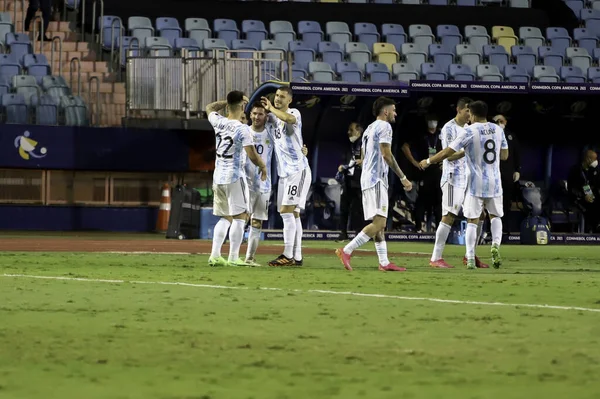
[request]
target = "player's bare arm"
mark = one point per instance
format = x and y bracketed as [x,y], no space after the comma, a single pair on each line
[304,150]
[456,155]
[388,157]
[408,154]
[216,106]
[504,154]
[437,158]
[284,116]
[256,160]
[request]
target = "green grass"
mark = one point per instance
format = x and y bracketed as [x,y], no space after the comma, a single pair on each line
[86,339]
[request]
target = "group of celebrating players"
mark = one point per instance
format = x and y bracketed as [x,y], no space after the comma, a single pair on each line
[472,150]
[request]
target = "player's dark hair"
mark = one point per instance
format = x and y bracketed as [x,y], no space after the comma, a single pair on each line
[463,102]
[234,98]
[479,109]
[380,104]
[357,126]
[287,89]
[257,104]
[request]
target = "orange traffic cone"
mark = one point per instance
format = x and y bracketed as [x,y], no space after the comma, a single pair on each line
[164,211]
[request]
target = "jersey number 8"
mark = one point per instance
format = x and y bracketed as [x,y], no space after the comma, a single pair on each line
[489,153]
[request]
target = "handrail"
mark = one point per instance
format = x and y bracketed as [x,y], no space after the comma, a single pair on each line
[78,63]
[98,105]
[15,14]
[59,55]
[35,36]
[82,21]
[129,48]
[98,38]
[112,41]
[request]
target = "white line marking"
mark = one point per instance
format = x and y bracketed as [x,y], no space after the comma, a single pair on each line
[349,293]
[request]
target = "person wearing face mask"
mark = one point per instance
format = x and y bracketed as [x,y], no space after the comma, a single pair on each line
[351,198]
[584,188]
[429,200]
[510,170]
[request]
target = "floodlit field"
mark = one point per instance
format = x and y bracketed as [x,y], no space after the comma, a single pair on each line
[94,325]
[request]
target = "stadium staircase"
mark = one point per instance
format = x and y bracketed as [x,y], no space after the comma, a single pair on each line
[112,92]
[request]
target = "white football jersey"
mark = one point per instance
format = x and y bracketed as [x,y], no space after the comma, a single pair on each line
[374,167]
[264,147]
[482,143]
[453,172]
[231,138]
[287,139]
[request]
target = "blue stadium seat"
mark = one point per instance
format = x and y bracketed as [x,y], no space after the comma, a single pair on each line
[46,109]
[311,33]
[466,2]
[394,34]
[438,2]
[140,27]
[224,24]
[283,32]
[572,74]
[158,47]
[338,32]
[469,55]
[404,72]
[244,45]
[378,72]
[593,75]
[9,66]
[441,55]
[331,53]
[531,36]
[349,72]
[489,73]
[545,74]
[19,44]
[496,55]
[366,33]
[321,72]
[168,24]
[107,29]
[303,55]
[15,108]
[430,71]
[576,6]
[55,86]
[586,39]
[187,44]
[579,57]
[587,13]
[358,53]
[549,57]
[559,38]
[75,110]
[524,57]
[516,73]
[254,31]
[298,74]
[449,35]
[461,72]
[421,35]
[37,65]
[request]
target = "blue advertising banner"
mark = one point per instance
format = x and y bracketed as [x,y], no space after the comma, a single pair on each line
[55,147]
[489,87]
[390,89]
[555,238]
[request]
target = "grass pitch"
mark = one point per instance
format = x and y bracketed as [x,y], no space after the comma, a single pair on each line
[82,338]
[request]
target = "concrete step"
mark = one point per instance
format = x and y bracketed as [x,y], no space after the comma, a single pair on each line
[66,46]
[105,87]
[67,56]
[86,66]
[105,98]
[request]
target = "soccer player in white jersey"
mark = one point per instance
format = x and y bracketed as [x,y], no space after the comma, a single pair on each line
[377,159]
[295,177]
[454,185]
[230,190]
[485,145]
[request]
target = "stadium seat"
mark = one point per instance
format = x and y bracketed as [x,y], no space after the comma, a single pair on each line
[545,74]
[214,45]
[579,57]
[468,55]
[366,33]
[596,55]
[4,85]
[588,13]
[19,44]
[441,55]
[282,32]
[46,109]
[438,2]
[461,72]
[311,33]
[246,48]
[254,31]
[593,75]
[186,43]
[531,36]
[394,34]
[414,55]
[220,24]
[15,108]
[199,35]
[349,72]
[449,35]
[386,53]
[518,3]
[466,3]
[55,86]
[168,24]
[158,47]
[596,5]
[572,74]
[404,72]
[331,53]
[9,66]
[430,71]
[140,27]
[110,25]
[298,74]
[25,84]
[576,6]
[421,35]
[585,39]
[191,24]
[411,2]
[358,53]
[516,73]
[524,57]
[75,110]
[559,39]
[550,57]
[496,55]
[37,65]
[303,55]
[321,72]
[378,72]
[338,32]
[383,1]
[489,73]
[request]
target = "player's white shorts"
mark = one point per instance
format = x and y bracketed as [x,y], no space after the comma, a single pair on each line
[375,201]
[293,189]
[230,199]
[474,206]
[259,205]
[452,199]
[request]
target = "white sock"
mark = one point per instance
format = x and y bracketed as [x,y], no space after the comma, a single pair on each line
[219,234]
[496,230]
[289,234]
[441,236]
[479,230]
[236,236]
[360,240]
[253,239]
[471,240]
[381,248]
[298,240]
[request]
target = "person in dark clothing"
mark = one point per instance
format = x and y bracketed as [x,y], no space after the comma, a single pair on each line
[429,200]
[46,7]
[583,184]
[351,199]
[510,170]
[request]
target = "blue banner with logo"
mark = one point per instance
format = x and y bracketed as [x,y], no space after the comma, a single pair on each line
[56,147]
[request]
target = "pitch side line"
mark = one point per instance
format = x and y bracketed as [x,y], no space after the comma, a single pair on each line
[348,293]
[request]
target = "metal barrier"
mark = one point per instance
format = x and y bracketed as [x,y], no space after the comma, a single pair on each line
[190,83]
[75,62]
[60,53]
[42,34]
[94,116]
[155,84]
